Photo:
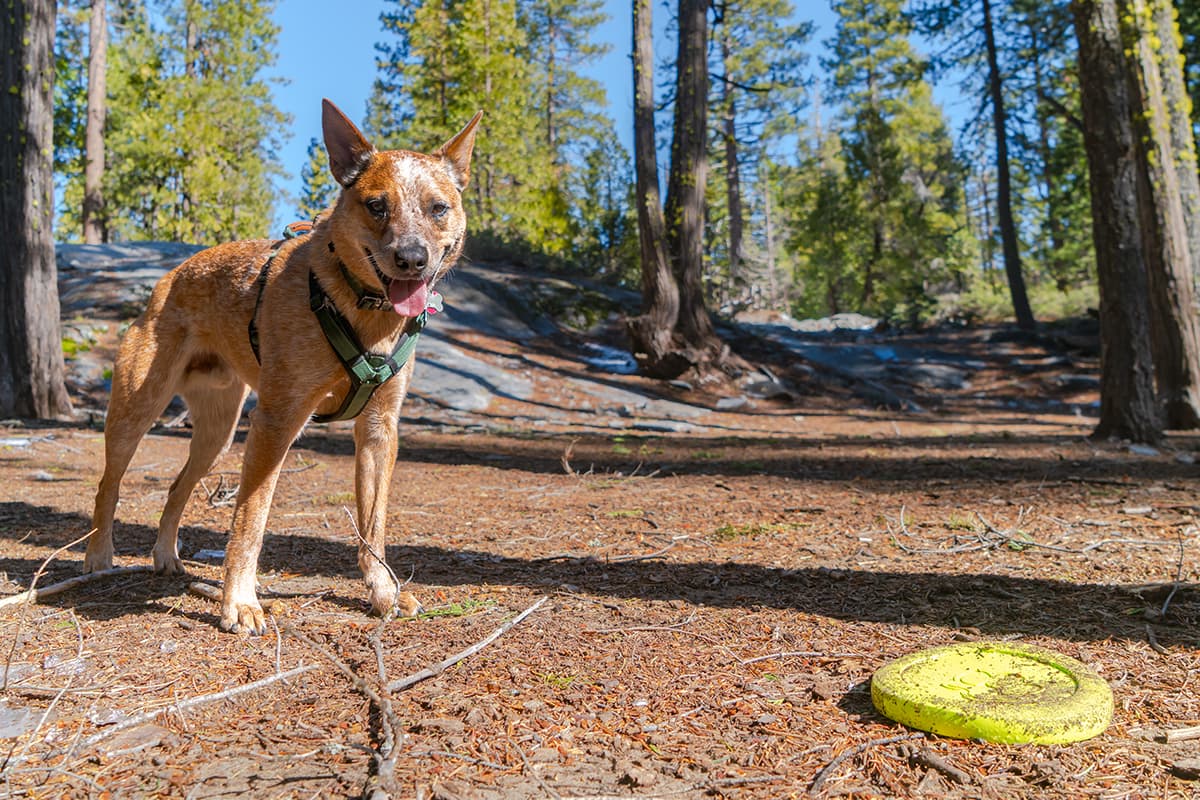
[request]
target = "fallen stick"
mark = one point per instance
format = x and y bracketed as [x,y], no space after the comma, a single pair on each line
[183,705]
[445,664]
[828,769]
[1182,734]
[35,595]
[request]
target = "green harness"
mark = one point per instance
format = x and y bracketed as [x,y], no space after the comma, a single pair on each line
[367,371]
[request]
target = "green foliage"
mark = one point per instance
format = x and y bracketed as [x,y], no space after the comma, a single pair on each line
[318,188]
[546,180]
[759,72]
[191,131]
[877,205]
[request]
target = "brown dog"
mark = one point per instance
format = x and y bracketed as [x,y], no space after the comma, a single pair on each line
[396,228]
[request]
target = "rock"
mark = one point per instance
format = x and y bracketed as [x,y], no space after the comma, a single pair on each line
[442,725]
[133,740]
[934,376]
[731,403]
[15,720]
[1078,383]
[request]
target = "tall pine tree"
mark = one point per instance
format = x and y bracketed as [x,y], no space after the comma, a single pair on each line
[759,90]
[192,131]
[889,191]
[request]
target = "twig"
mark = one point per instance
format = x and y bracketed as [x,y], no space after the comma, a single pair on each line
[626,559]
[385,755]
[404,683]
[1178,578]
[828,769]
[50,708]
[932,760]
[377,556]
[1182,734]
[566,459]
[34,595]
[797,654]
[547,788]
[178,708]
[1153,641]
[641,628]
[29,597]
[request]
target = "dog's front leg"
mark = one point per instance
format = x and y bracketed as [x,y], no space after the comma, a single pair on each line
[266,446]
[376,441]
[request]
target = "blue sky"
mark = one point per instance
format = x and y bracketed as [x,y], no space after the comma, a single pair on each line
[331,53]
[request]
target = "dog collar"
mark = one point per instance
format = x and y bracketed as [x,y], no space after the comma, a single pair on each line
[368,299]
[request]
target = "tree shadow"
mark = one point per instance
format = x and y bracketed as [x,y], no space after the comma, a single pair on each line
[993,605]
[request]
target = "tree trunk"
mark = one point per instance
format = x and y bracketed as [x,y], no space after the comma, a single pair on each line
[1128,408]
[1182,137]
[93,172]
[1008,228]
[687,181]
[1175,327]
[31,358]
[1054,227]
[733,187]
[652,332]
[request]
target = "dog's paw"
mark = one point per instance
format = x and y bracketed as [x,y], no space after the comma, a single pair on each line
[385,600]
[382,596]
[166,561]
[247,617]
[98,560]
[407,605]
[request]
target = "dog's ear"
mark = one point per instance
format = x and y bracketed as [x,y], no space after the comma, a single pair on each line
[457,152]
[349,151]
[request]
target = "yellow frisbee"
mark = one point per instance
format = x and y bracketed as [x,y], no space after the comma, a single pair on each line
[996,691]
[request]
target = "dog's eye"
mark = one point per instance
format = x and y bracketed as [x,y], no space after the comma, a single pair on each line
[377,206]
[439,209]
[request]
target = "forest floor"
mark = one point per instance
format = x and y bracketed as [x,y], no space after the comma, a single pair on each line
[714,595]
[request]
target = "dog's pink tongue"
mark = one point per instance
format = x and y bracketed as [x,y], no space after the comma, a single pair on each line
[409,298]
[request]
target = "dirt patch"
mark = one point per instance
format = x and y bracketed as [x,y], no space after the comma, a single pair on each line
[718,598]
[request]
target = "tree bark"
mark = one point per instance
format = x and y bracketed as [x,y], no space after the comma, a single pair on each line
[1128,407]
[652,332]
[1008,228]
[733,186]
[1175,327]
[1183,139]
[93,171]
[31,358]
[687,181]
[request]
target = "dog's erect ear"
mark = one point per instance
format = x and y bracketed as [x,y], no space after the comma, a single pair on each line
[457,152]
[349,151]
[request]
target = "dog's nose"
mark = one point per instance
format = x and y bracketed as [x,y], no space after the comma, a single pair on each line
[411,255]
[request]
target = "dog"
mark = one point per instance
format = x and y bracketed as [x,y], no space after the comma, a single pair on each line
[255,315]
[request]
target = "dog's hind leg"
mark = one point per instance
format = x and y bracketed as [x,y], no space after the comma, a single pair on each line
[144,379]
[214,396]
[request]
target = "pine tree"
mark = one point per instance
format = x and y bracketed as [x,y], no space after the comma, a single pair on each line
[1052,190]
[973,28]
[520,64]
[192,131]
[70,115]
[31,358]
[759,92]
[318,188]
[1128,406]
[890,184]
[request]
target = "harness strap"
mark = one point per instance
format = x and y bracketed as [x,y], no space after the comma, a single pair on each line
[292,230]
[367,371]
